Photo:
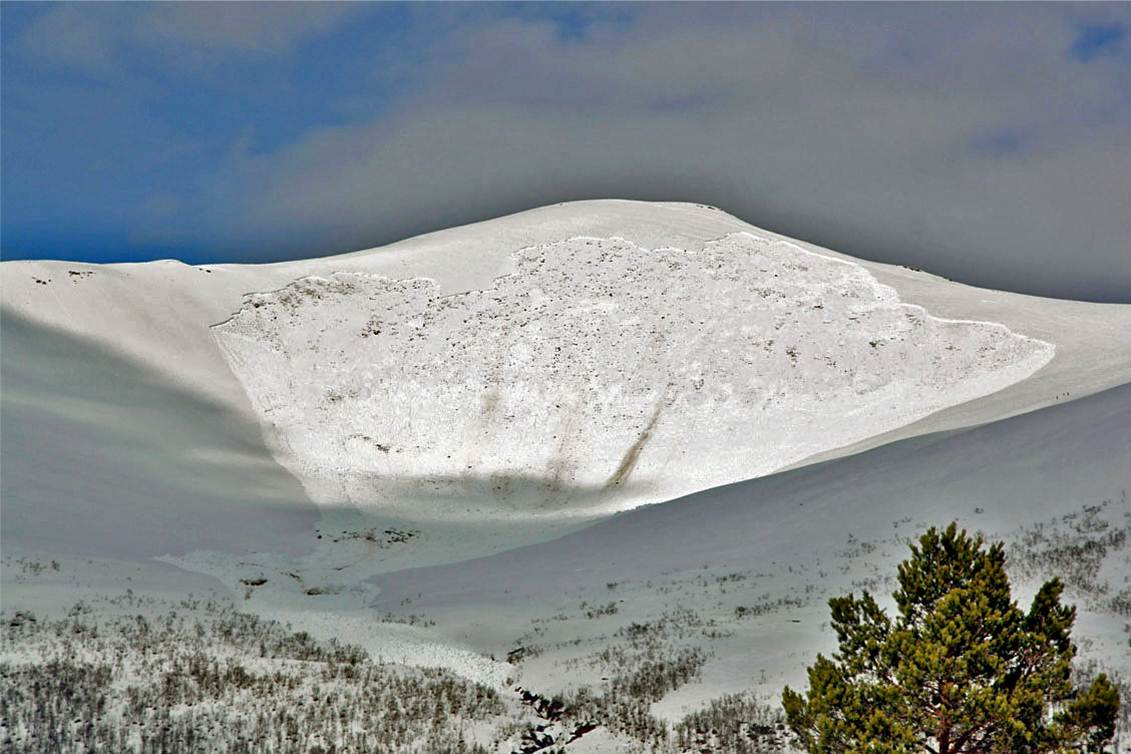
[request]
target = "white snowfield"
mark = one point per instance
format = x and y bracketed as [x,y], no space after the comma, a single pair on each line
[297,435]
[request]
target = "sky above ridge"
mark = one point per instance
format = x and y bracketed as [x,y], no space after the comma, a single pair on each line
[990,143]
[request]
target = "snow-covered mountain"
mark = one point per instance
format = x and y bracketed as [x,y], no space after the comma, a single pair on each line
[572,360]
[296,435]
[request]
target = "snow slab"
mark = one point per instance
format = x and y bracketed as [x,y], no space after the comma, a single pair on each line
[597,376]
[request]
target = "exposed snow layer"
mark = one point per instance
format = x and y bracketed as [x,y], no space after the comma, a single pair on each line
[597,375]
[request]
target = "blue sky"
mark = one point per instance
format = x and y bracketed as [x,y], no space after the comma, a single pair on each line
[988,143]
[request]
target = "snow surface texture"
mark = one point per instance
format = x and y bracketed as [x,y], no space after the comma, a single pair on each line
[598,375]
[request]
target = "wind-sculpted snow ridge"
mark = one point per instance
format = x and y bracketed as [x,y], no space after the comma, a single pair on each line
[598,375]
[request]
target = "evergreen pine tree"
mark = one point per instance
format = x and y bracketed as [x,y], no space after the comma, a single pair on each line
[961,669]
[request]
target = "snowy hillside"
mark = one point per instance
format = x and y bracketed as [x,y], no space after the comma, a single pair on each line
[501,449]
[698,339]
[756,561]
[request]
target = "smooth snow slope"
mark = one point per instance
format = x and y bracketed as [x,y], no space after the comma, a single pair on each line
[785,543]
[1019,470]
[102,456]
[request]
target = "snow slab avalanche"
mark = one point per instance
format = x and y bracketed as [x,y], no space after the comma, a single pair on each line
[597,376]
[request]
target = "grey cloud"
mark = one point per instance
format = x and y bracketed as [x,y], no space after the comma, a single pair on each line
[857,132]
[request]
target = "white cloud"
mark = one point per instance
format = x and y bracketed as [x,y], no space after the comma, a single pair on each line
[96,37]
[246,27]
[67,36]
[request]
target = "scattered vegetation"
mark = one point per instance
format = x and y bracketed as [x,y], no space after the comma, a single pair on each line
[206,678]
[735,724]
[1074,549]
[222,681]
[767,605]
[598,611]
[641,664]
